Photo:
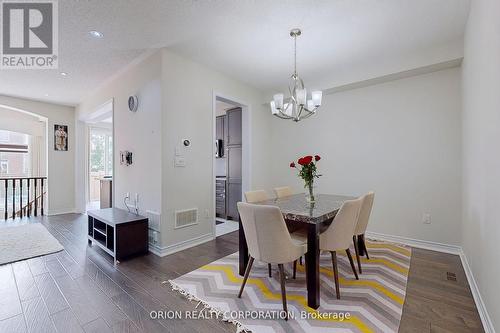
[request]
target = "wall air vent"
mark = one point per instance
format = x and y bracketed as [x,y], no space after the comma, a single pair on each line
[187,217]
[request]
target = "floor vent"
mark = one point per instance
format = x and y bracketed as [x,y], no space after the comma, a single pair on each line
[451,276]
[187,217]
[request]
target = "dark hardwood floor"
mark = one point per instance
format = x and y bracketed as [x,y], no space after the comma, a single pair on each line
[79,289]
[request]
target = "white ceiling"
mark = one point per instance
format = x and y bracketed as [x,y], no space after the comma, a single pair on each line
[247,39]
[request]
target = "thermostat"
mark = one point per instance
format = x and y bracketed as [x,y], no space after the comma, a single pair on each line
[186,142]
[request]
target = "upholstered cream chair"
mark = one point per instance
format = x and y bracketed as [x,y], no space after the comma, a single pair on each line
[268,240]
[359,233]
[257,196]
[338,236]
[284,191]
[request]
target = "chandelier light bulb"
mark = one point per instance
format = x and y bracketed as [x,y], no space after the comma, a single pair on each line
[301,96]
[316,97]
[278,101]
[274,111]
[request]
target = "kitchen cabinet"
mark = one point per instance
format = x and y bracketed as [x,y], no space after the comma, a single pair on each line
[106,193]
[233,119]
[229,146]
[220,197]
[233,162]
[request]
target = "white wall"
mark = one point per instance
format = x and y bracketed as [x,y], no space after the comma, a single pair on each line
[400,139]
[481,168]
[138,132]
[61,164]
[188,89]
[16,121]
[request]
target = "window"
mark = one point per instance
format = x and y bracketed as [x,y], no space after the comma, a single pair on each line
[109,155]
[14,154]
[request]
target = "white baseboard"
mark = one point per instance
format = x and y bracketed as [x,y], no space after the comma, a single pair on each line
[446,248]
[481,307]
[418,243]
[166,250]
[52,212]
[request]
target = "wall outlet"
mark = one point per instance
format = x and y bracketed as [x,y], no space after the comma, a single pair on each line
[207,213]
[426,218]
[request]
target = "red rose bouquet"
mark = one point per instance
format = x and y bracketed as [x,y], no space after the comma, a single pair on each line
[307,171]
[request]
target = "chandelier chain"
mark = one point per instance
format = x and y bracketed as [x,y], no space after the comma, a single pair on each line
[295,55]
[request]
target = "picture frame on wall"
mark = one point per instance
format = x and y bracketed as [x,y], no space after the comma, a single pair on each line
[60,137]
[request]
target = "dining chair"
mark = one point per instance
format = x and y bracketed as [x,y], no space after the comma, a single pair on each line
[284,191]
[359,233]
[257,196]
[268,240]
[338,236]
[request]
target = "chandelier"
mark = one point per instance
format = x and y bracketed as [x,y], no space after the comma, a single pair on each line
[297,106]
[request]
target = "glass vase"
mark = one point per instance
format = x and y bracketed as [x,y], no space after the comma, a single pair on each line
[310,192]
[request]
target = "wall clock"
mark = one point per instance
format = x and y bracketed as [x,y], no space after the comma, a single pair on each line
[133,103]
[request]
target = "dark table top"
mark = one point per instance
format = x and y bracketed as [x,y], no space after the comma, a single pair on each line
[296,207]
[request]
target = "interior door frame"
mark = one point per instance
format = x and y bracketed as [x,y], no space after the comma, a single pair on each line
[246,145]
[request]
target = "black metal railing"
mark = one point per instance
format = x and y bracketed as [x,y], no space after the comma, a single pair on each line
[24,196]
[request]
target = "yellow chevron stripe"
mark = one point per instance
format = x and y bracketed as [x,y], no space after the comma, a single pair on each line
[395,248]
[275,296]
[371,284]
[385,262]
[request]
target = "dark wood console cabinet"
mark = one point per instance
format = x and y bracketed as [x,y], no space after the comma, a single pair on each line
[119,233]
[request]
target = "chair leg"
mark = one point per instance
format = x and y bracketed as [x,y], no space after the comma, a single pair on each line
[294,269]
[269,269]
[364,246]
[300,260]
[247,272]
[335,273]
[352,263]
[283,290]
[354,240]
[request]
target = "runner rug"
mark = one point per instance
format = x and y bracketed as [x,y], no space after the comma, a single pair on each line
[374,303]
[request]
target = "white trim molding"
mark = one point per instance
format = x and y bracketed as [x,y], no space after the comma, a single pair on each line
[52,212]
[421,244]
[451,249]
[166,250]
[481,307]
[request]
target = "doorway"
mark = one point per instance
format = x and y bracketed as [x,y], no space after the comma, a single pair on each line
[229,151]
[100,166]
[100,158]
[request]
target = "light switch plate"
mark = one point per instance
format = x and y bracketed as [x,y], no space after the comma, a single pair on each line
[180,161]
[426,218]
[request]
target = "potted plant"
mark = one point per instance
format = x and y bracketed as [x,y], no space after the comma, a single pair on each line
[308,171]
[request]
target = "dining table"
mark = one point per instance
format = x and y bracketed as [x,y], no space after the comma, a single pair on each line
[312,218]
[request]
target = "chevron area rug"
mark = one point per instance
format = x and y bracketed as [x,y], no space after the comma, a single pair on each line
[374,303]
